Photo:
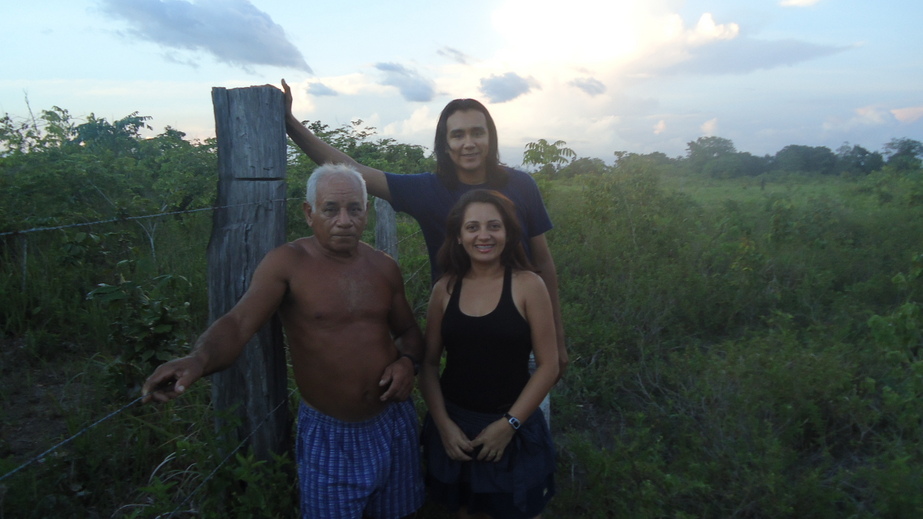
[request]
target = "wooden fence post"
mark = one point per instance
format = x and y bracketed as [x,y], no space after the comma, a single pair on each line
[249,222]
[385,228]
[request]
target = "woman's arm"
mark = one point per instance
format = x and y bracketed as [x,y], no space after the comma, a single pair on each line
[456,443]
[529,290]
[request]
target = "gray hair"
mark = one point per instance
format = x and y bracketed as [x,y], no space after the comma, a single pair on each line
[330,170]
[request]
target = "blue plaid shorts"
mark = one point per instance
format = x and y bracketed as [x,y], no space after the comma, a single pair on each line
[347,469]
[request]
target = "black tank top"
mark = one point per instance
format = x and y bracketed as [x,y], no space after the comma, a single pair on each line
[487,357]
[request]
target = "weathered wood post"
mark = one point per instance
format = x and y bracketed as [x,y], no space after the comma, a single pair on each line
[249,222]
[385,228]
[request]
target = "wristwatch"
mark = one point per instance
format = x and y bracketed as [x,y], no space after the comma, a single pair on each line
[514,422]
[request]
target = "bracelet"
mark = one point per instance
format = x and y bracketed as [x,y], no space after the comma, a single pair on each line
[416,365]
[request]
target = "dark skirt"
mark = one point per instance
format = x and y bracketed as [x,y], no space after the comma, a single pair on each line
[519,486]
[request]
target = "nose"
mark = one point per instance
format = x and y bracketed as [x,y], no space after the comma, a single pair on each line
[343,219]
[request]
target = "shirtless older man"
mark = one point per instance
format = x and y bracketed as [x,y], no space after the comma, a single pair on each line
[354,345]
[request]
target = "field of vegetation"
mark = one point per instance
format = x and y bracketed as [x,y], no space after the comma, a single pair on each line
[744,331]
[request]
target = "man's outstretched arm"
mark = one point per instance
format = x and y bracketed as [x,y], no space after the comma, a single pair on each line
[220,345]
[323,153]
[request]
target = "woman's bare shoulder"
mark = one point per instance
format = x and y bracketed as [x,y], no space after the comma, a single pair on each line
[528,279]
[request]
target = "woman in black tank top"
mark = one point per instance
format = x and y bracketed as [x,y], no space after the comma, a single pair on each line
[487,445]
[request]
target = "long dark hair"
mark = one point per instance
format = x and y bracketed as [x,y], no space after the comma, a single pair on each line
[445,169]
[452,258]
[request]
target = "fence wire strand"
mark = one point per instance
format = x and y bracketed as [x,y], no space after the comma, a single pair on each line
[72,438]
[51,450]
[113,414]
[141,217]
[227,458]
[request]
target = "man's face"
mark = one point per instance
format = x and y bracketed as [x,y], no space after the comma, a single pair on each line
[468,140]
[340,216]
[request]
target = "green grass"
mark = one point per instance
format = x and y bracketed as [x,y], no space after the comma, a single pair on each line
[738,349]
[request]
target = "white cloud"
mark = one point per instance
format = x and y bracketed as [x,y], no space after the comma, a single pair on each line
[454,55]
[707,31]
[586,31]
[872,115]
[319,89]
[590,86]
[233,31]
[866,116]
[709,127]
[660,127]
[908,115]
[419,127]
[412,86]
[506,87]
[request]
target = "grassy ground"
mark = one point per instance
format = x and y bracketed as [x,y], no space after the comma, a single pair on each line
[724,363]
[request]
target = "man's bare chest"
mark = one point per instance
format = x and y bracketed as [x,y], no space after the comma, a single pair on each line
[343,296]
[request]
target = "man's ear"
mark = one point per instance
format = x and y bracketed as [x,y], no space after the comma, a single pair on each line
[306,207]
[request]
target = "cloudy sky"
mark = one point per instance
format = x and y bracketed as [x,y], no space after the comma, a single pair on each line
[602,75]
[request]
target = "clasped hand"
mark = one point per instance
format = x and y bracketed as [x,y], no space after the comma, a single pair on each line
[492,442]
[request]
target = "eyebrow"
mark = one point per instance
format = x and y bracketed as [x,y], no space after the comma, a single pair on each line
[492,220]
[458,130]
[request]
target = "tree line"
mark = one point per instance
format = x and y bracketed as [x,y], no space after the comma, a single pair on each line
[52,165]
[717,157]
[735,352]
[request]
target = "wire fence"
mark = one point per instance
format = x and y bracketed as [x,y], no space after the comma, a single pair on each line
[131,218]
[38,458]
[79,433]
[228,457]
[50,451]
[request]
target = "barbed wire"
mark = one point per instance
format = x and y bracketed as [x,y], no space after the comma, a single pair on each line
[227,458]
[72,438]
[113,414]
[414,274]
[409,236]
[141,217]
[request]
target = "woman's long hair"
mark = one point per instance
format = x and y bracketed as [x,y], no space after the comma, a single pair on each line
[445,169]
[452,257]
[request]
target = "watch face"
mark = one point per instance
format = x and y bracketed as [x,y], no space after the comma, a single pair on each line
[514,422]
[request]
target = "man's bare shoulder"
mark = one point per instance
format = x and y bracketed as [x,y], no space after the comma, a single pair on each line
[378,258]
[289,252]
[298,246]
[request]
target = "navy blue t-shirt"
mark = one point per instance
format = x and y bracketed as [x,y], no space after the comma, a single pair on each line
[424,197]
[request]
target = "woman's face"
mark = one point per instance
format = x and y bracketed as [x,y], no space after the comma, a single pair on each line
[483,235]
